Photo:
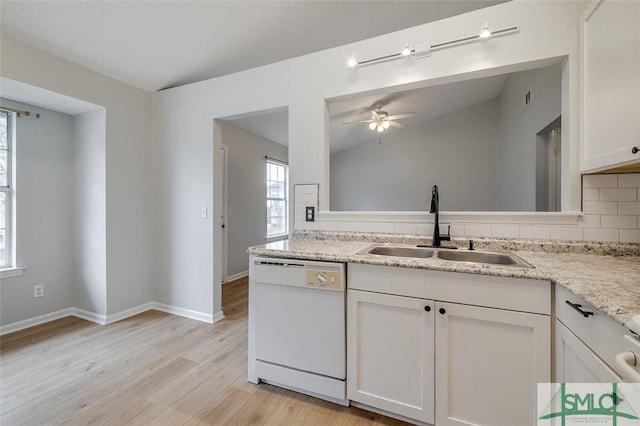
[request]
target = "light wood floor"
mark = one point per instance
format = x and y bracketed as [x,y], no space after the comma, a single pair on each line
[154,368]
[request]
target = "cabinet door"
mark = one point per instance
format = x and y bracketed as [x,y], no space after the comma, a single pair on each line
[611,84]
[576,363]
[390,353]
[488,364]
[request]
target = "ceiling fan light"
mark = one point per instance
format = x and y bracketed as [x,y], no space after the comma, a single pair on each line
[386,124]
[372,125]
[380,128]
[485,32]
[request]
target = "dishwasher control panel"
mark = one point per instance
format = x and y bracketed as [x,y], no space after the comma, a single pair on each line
[328,280]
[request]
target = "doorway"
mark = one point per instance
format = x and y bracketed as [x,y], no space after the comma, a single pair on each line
[548,162]
[247,142]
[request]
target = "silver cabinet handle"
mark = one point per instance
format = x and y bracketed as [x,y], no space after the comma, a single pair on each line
[625,361]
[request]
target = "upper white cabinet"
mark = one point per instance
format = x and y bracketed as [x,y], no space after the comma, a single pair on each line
[610,35]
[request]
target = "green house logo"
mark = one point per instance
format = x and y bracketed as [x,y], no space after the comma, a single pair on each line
[586,405]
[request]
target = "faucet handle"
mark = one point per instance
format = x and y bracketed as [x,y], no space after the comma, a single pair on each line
[448,236]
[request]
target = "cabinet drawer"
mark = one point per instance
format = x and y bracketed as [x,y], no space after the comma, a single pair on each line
[514,294]
[600,333]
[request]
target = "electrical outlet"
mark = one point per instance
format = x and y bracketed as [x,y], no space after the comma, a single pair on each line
[38,290]
[203,212]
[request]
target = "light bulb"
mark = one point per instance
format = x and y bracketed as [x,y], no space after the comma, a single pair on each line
[380,128]
[406,51]
[372,125]
[485,32]
[352,62]
[386,124]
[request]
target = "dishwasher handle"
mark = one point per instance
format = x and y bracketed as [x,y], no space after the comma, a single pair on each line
[625,361]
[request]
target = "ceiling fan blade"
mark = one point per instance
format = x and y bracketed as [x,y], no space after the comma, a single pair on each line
[361,121]
[402,115]
[396,124]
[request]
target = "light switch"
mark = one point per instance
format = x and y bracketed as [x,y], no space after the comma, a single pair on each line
[310,214]
[203,212]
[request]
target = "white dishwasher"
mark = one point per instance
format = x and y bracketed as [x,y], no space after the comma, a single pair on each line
[297,326]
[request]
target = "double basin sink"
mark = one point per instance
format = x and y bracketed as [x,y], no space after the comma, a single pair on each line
[503,258]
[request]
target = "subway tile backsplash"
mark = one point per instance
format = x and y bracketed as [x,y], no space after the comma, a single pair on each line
[611,207]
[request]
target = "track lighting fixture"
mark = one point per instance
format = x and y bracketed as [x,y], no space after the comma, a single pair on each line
[424,49]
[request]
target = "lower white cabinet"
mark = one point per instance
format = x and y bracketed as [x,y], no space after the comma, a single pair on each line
[488,363]
[445,363]
[390,353]
[576,363]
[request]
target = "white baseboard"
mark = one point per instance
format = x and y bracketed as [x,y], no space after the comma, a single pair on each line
[187,313]
[218,316]
[104,319]
[32,322]
[237,276]
[129,312]
[89,316]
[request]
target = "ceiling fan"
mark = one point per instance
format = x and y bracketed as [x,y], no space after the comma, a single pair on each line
[381,120]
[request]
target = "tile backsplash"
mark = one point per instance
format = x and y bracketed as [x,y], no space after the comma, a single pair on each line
[611,207]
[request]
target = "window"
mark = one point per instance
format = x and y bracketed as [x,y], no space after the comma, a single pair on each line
[277,199]
[5,189]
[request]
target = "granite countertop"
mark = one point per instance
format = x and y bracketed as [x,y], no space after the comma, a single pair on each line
[606,276]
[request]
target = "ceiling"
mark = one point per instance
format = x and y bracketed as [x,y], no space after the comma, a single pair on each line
[427,103]
[20,92]
[159,44]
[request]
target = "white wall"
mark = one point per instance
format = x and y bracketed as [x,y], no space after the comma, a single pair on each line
[90,248]
[247,197]
[129,189]
[44,210]
[184,136]
[518,130]
[398,173]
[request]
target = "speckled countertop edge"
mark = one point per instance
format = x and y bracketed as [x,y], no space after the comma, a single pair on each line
[610,283]
[548,246]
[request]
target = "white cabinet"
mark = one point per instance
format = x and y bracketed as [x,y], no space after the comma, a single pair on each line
[482,353]
[576,363]
[587,342]
[610,34]
[408,354]
[390,347]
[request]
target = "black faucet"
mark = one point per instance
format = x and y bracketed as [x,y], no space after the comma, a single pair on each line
[435,208]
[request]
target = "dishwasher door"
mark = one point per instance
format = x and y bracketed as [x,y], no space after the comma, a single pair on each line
[300,315]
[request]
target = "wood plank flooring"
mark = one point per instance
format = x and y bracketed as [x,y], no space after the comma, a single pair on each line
[151,369]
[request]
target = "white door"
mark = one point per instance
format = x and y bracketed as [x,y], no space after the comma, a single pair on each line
[390,353]
[225,211]
[576,363]
[488,364]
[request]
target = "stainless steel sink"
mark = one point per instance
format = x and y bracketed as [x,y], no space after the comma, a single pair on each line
[487,257]
[417,252]
[492,258]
